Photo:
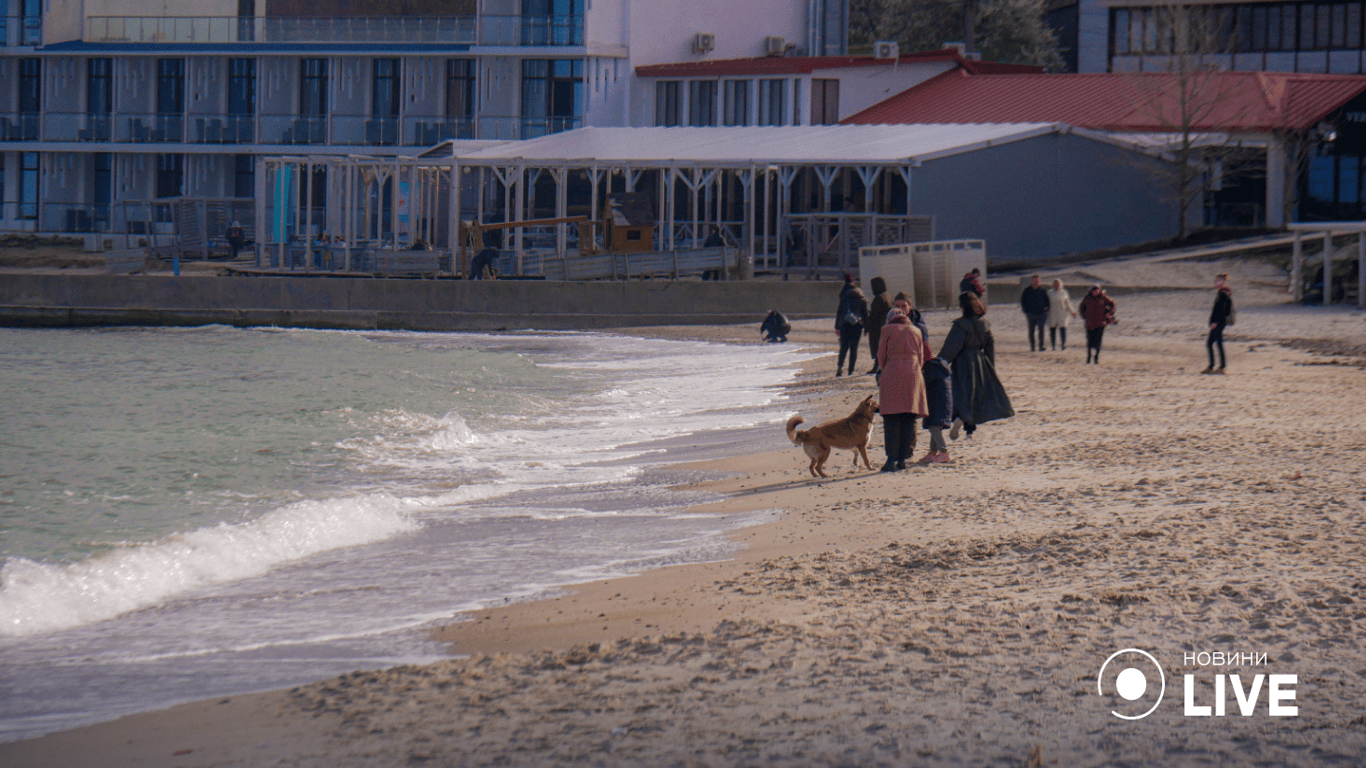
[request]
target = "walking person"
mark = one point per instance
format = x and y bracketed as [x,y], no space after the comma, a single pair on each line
[1059,312]
[901,354]
[849,321]
[1098,310]
[877,316]
[1222,315]
[1034,303]
[978,396]
[972,281]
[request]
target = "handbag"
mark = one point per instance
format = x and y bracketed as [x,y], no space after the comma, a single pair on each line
[852,319]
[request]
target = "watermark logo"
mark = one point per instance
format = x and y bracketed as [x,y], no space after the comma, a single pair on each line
[1131,682]
[1130,674]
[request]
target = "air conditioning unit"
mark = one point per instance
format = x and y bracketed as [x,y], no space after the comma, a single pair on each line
[886,49]
[702,42]
[774,45]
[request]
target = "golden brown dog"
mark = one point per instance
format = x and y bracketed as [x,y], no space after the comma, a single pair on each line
[850,433]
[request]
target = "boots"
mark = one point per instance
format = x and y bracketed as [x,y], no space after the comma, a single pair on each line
[907,448]
[891,442]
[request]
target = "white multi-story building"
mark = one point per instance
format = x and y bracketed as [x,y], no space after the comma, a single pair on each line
[109,106]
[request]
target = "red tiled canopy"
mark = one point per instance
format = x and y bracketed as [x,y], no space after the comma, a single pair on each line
[801,65]
[1147,102]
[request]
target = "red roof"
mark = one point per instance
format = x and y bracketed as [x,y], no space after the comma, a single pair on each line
[1149,102]
[801,65]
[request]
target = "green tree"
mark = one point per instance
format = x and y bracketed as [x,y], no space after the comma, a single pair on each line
[1008,31]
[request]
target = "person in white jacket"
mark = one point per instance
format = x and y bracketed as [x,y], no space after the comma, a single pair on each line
[1059,312]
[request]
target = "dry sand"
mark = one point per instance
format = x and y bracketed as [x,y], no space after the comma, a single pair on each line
[949,615]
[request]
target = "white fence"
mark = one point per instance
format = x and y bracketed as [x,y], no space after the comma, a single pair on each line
[930,271]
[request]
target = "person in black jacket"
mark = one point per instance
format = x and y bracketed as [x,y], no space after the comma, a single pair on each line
[775,327]
[1220,316]
[1034,303]
[849,321]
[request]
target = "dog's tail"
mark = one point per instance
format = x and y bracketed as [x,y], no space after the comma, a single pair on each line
[792,429]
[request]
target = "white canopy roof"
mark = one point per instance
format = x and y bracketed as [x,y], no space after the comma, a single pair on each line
[759,145]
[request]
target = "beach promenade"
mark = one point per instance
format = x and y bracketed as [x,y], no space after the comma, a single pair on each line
[953,615]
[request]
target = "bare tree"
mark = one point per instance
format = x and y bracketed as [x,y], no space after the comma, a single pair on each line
[1192,99]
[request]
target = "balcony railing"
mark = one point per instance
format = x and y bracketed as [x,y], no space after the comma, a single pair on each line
[457,30]
[336,130]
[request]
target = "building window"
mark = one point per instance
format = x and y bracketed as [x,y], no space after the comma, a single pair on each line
[28,185]
[241,86]
[736,102]
[244,176]
[32,31]
[313,87]
[30,85]
[796,102]
[552,22]
[170,175]
[170,86]
[702,102]
[460,90]
[825,102]
[552,96]
[170,117]
[387,88]
[246,20]
[772,100]
[101,187]
[99,89]
[1229,28]
[668,103]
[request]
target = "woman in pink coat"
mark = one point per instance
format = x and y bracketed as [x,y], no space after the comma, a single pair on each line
[902,352]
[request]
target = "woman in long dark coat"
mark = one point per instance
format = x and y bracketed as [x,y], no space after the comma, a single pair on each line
[978,396]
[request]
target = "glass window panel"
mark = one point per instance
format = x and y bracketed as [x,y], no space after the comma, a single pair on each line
[1349,174]
[1288,36]
[459,89]
[28,185]
[668,103]
[1121,31]
[1307,27]
[702,102]
[1352,27]
[1323,37]
[313,87]
[737,102]
[1320,178]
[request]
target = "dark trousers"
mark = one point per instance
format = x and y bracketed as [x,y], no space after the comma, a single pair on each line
[874,336]
[898,436]
[1055,333]
[1036,322]
[849,338]
[1216,336]
[1093,339]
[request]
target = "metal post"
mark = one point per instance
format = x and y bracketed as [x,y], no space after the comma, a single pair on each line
[1361,270]
[1327,268]
[308,216]
[1296,256]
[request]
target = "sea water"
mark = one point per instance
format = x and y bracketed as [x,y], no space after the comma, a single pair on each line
[189,513]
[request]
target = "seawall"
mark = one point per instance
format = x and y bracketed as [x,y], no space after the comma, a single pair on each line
[56,300]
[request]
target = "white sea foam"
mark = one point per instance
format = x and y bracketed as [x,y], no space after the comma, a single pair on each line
[38,597]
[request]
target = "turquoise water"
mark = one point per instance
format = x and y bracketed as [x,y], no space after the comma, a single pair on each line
[195,512]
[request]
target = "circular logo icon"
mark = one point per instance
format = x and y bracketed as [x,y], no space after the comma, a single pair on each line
[1130,679]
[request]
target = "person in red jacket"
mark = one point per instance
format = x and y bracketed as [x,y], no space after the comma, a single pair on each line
[1098,311]
[972,281]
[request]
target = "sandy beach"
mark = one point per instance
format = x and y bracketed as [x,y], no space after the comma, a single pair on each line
[944,615]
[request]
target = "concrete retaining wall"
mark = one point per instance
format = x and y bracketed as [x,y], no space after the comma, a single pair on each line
[431,305]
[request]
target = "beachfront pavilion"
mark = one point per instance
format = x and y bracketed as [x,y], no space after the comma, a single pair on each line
[800,200]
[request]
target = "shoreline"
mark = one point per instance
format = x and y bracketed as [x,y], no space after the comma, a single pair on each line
[945,615]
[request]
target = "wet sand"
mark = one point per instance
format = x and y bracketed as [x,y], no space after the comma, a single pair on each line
[944,615]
